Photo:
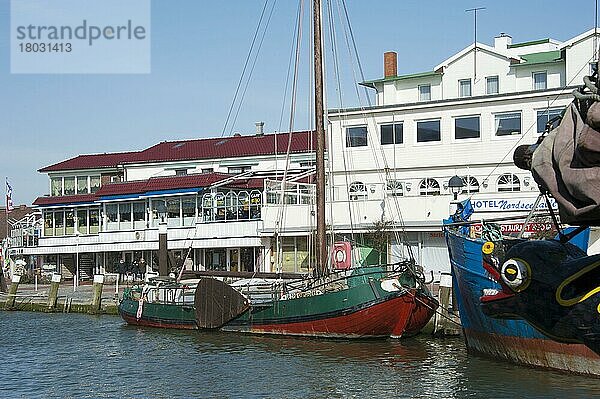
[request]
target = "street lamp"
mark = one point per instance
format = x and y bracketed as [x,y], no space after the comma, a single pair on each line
[455,184]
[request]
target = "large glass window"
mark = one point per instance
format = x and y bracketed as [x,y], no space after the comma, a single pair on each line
[508,124]
[509,182]
[173,212]
[424,92]
[82,185]
[56,186]
[112,216]
[48,224]
[358,191]
[466,127]
[69,188]
[492,85]
[464,88]
[94,183]
[356,136]
[69,222]
[59,223]
[82,221]
[543,117]
[125,215]
[188,208]
[392,133]
[428,131]
[540,80]
[94,221]
[139,215]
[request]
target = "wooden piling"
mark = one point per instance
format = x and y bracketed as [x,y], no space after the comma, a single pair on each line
[12,292]
[53,293]
[443,326]
[97,294]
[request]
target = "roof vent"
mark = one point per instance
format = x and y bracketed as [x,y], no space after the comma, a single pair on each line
[237,134]
[259,128]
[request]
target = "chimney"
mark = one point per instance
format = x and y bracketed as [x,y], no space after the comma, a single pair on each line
[390,64]
[259,128]
[502,42]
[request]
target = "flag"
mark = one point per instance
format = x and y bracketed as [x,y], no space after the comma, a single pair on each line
[9,201]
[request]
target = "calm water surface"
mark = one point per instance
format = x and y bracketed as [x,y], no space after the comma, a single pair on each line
[79,356]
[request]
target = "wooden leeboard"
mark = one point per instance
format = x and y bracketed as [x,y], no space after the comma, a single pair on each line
[217,303]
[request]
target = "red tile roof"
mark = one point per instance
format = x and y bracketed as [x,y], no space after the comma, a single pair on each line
[92,161]
[153,184]
[213,148]
[65,200]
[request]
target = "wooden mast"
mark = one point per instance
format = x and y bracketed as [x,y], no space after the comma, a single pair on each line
[320,138]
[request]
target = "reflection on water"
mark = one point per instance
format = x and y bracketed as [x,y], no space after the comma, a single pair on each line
[56,355]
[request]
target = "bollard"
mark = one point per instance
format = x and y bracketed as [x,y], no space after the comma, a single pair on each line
[53,293]
[97,294]
[12,292]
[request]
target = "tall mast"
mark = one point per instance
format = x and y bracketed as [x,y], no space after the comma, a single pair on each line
[320,145]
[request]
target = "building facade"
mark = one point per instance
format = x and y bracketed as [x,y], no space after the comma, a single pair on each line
[390,165]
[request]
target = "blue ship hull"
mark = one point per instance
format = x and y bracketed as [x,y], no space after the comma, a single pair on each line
[512,340]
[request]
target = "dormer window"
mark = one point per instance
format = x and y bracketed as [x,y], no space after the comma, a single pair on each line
[540,80]
[424,92]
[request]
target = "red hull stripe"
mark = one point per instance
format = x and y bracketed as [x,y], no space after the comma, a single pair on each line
[377,320]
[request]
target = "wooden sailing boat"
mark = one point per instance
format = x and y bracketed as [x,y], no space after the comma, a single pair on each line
[348,303]
[361,302]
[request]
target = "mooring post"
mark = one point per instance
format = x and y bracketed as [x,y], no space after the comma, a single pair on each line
[97,295]
[53,293]
[444,299]
[12,291]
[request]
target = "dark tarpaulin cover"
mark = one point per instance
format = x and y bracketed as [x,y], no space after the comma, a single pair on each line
[567,164]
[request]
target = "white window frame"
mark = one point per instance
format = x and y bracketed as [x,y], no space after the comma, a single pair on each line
[457,140]
[416,134]
[429,186]
[460,86]
[357,191]
[500,114]
[487,79]
[508,182]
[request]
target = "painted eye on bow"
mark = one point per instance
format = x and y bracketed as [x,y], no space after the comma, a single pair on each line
[515,274]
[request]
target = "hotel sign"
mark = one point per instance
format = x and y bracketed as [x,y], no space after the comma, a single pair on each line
[509,204]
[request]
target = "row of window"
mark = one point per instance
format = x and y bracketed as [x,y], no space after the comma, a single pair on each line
[465,127]
[357,191]
[492,86]
[71,222]
[74,185]
[180,211]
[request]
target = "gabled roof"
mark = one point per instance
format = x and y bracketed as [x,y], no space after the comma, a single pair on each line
[212,148]
[470,48]
[545,57]
[155,185]
[578,38]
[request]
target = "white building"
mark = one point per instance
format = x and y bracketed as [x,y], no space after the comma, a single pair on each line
[389,162]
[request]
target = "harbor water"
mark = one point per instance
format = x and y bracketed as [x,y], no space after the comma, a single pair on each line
[81,356]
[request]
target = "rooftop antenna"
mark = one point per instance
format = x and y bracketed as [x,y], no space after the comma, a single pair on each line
[474,10]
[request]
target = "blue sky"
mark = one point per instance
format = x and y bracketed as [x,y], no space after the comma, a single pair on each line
[198,50]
